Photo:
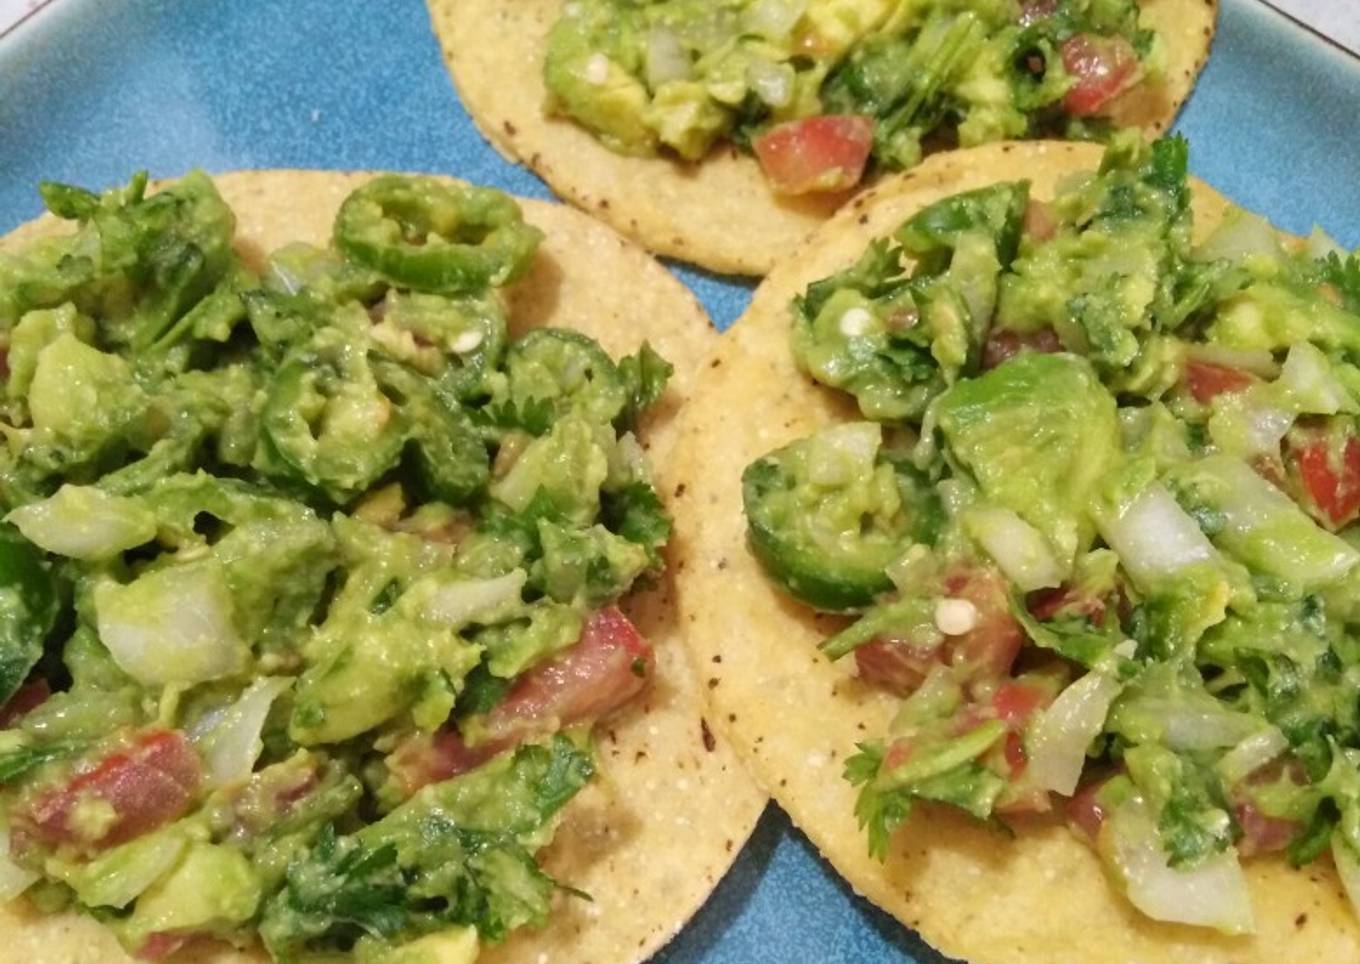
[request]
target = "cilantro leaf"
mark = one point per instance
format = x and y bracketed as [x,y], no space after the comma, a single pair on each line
[644,376]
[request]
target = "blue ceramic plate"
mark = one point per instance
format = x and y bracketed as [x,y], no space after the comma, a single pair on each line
[91,90]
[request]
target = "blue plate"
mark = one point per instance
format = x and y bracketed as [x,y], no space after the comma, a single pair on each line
[92,89]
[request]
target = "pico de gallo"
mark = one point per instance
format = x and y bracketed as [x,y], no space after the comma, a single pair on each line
[1096,528]
[308,574]
[821,90]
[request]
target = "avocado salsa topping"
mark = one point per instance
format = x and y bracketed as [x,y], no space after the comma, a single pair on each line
[818,88]
[308,575]
[1096,528]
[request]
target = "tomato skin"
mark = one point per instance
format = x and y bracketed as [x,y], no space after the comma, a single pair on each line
[989,649]
[1044,604]
[824,153]
[147,784]
[1001,346]
[1262,834]
[1084,811]
[1206,381]
[161,945]
[895,664]
[1329,469]
[1101,68]
[609,665]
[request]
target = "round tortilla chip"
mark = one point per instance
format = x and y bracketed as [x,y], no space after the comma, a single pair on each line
[670,807]
[969,890]
[720,213]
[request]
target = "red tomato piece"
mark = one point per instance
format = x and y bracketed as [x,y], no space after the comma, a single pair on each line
[1036,10]
[607,667]
[1016,757]
[1040,223]
[1002,346]
[144,785]
[1207,381]
[1330,471]
[29,697]
[1101,68]
[1262,834]
[825,153]
[1084,811]
[161,945]
[895,664]
[1015,703]
[988,650]
[1044,604]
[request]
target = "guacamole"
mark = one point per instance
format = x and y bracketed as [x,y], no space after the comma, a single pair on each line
[818,87]
[1094,527]
[308,573]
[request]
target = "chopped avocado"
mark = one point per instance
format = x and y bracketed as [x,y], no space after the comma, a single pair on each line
[278,543]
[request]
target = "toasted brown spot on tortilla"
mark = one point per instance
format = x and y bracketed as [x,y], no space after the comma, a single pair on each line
[973,893]
[617,837]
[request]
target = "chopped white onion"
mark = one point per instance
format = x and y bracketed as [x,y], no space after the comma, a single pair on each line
[1321,244]
[1258,361]
[1213,893]
[459,602]
[1016,546]
[1198,726]
[1255,427]
[1307,377]
[1240,235]
[1251,754]
[773,19]
[229,740]
[773,83]
[83,522]
[14,880]
[171,625]
[667,59]
[844,452]
[1063,732]
[1154,537]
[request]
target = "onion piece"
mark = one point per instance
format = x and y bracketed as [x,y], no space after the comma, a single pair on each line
[843,453]
[172,625]
[83,522]
[1213,893]
[773,83]
[667,59]
[1155,538]
[1016,546]
[1312,386]
[1258,361]
[14,880]
[1063,732]
[1251,754]
[455,603]
[1239,235]
[229,740]
[773,19]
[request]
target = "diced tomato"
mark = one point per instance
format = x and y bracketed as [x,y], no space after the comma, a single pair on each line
[1002,346]
[145,785]
[161,945]
[1262,834]
[1044,604]
[825,153]
[607,667]
[1036,10]
[898,753]
[1016,757]
[29,697]
[1016,702]
[1040,224]
[1328,465]
[896,664]
[1100,67]
[1206,381]
[1084,810]
[988,650]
